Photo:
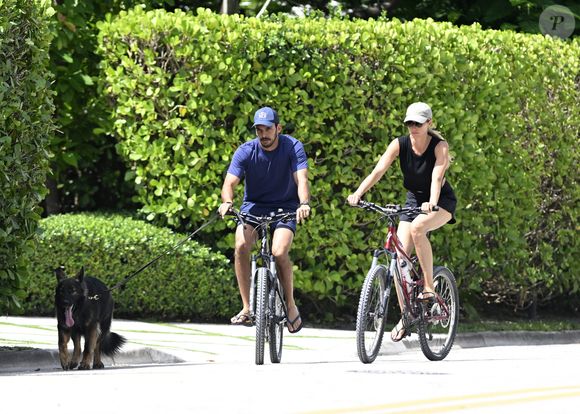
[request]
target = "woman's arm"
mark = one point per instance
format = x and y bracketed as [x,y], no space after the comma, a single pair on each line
[380,169]
[438,175]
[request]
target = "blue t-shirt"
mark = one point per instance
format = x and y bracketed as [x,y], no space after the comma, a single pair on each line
[269,175]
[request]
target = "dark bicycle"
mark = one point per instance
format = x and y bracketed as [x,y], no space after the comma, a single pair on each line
[267,302]
[435,320]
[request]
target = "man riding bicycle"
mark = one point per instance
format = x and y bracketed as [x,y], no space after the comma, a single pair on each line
[275,169]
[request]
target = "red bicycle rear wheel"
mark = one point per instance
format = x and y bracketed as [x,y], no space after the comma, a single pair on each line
[438,321]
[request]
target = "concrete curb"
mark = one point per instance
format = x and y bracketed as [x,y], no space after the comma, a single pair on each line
[514,338]
[30,360]
[511,338]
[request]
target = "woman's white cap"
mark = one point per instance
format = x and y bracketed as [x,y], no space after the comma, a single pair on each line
[418,112]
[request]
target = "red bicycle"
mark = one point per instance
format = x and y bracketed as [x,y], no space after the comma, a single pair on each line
[435,320]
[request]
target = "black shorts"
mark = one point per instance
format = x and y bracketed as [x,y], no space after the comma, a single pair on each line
[447,201]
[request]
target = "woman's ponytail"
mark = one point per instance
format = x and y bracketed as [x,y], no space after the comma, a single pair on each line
[437,134]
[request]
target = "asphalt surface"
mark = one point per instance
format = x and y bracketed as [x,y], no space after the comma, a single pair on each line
[29,344]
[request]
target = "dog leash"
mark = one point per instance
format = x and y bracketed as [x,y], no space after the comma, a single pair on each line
[123,282]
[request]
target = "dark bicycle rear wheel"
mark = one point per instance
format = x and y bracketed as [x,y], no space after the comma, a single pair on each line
[438,321]
[261,313]
[276,317]
[372,314]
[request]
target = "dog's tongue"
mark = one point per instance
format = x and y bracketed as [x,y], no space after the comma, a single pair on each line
[68,319]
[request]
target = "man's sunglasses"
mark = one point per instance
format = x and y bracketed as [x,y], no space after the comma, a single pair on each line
[410,124]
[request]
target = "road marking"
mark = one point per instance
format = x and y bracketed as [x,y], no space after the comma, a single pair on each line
[455,403]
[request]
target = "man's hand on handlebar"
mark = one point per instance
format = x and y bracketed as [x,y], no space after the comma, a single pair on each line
[302,213]
[224,208]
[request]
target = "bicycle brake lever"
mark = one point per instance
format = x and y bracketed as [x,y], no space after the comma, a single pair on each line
[421,211]
[362,204]
[237,215]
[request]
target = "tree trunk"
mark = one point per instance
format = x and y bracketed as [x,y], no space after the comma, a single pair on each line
[533,308]
[230,7]
[51,202]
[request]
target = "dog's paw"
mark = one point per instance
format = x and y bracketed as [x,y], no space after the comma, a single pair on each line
[84,366]
[66,364]
[72,365]
[98,365]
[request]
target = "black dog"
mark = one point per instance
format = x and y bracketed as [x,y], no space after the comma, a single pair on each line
[84,307]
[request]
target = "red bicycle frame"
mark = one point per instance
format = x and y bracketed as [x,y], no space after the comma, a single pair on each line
[395,247]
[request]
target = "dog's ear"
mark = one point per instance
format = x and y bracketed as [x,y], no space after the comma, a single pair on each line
[81,274]
[59,272]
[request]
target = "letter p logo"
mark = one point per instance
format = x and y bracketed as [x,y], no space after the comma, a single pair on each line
[557,21]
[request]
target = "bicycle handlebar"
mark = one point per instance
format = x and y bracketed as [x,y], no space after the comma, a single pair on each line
[261,220]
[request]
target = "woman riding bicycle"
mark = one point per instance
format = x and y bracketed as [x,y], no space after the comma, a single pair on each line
[424,158]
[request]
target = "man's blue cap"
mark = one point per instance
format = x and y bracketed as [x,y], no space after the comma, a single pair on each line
[266,116]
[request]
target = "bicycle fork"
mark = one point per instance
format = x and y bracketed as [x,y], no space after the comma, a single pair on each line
[387,285]
[253,287]
[276,289]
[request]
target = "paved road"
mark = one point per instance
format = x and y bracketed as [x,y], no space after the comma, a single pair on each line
[153,343]
[319,373]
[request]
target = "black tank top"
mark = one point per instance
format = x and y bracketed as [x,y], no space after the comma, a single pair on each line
[417,169]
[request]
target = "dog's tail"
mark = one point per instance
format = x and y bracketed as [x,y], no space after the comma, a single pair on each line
[112,343]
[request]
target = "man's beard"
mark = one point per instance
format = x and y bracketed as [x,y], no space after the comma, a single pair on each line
[268,142]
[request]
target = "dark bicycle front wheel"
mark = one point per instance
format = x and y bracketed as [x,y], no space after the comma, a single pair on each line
[372,313]
[277,318]
[438,321]
[261,313]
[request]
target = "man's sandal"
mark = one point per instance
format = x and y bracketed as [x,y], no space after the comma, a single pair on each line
[291,323]
[242,318]
[399,332]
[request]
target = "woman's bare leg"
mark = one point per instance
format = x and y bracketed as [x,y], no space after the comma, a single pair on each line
[423,224]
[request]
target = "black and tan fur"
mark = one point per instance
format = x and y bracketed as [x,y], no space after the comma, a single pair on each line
[84,307]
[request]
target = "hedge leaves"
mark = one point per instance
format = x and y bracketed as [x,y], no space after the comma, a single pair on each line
[183,90]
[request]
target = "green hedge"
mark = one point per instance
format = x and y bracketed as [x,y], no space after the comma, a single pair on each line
[25,127]
[86,171]
[184,88]
[192,283]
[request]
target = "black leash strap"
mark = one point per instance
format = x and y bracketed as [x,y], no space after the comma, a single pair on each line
[122,283]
